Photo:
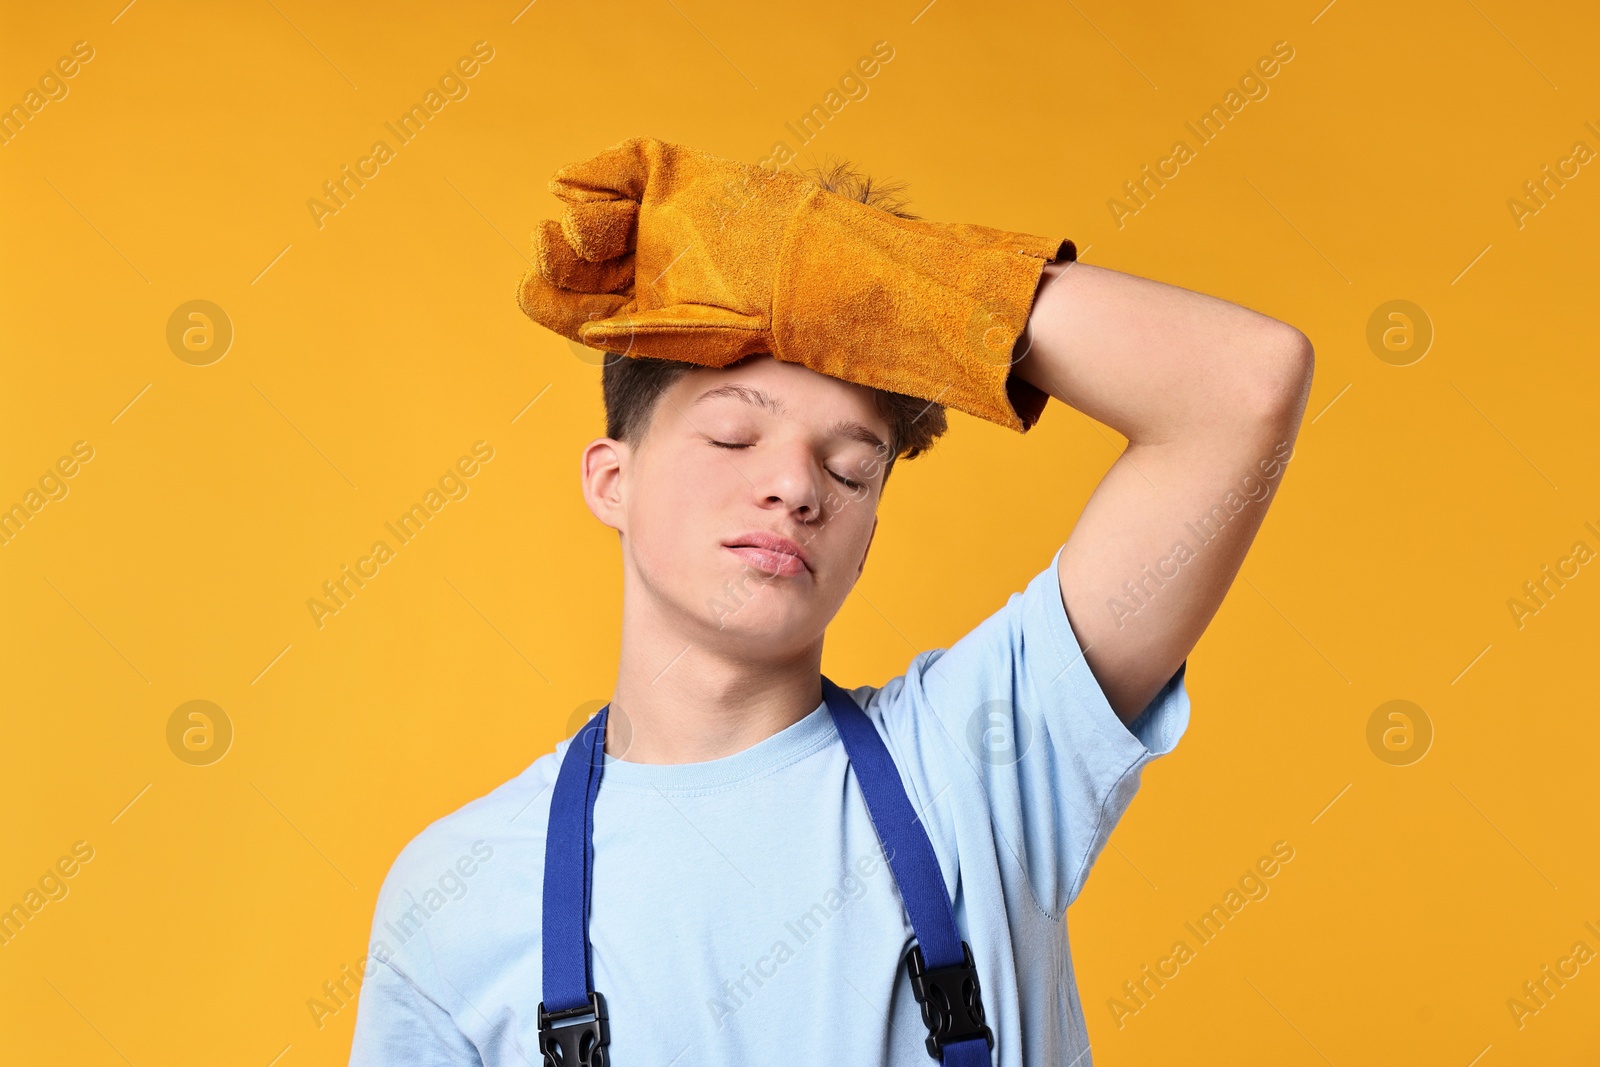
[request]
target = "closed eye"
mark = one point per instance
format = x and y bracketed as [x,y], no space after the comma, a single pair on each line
[846,482]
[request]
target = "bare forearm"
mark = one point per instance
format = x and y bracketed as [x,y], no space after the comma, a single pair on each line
[1210,396]
[1157,362]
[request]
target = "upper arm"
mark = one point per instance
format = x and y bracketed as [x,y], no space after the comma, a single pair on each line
[397,1024]
[1210,396]
[406,1010]
[1155,551]
[1014,704]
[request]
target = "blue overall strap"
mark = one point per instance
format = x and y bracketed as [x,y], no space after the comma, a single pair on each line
[573,1025]
[572,1017]
[943,974]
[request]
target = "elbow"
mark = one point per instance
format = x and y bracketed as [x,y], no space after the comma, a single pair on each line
[1281,383]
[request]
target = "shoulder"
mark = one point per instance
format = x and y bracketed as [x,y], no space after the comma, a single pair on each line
[462,863]
[499,816]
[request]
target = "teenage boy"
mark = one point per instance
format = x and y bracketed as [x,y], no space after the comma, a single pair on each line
[737,861]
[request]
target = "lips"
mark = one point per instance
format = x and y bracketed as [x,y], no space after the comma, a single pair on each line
[770,553]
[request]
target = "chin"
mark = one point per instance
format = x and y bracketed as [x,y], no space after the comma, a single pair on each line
[772,617]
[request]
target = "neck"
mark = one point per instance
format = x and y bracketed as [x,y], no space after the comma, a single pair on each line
[686,694]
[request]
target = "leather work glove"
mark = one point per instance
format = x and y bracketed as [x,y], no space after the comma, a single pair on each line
[670,253]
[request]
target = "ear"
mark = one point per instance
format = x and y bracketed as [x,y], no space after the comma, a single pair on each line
[604,467]
[868,549]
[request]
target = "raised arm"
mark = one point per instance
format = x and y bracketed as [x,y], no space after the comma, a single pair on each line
[1209,395]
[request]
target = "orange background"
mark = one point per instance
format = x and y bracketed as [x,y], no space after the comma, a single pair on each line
[372,352]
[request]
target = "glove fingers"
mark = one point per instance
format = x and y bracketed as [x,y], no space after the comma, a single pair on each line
[600,230]
[618,173]
[558,264]
[691,333]
[563,310]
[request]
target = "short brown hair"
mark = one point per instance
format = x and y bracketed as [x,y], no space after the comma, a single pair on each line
[632,385]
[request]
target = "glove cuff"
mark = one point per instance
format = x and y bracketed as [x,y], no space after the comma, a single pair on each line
[929,310]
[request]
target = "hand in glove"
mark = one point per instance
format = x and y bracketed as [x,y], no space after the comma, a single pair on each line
[674,254]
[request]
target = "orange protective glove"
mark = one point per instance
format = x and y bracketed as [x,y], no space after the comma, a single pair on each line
[674,254]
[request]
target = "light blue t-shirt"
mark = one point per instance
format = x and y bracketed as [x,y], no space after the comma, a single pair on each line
[742,910]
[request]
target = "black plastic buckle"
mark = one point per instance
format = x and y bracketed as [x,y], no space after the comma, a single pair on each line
[575,1037]
[951,1000]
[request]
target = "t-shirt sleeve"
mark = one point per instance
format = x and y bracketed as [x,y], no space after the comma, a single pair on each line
[404,1014]
[1015,704]
[398,1025]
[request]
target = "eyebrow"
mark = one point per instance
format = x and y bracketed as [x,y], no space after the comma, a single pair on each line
[762,399]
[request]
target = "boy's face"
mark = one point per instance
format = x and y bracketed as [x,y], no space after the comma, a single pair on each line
[760,448]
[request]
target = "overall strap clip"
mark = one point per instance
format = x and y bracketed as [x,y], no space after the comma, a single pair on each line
[575,1037]
[951,1001]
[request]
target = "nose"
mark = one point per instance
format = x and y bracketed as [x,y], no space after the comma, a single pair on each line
[789,476]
